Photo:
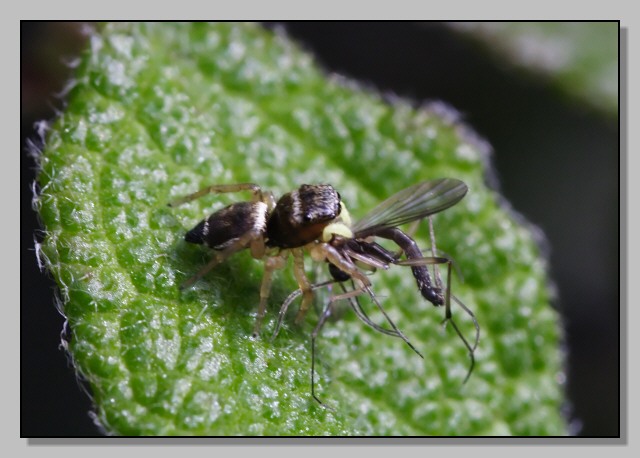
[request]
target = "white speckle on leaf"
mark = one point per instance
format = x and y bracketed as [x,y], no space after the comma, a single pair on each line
[83,216]
[143,220]
[181,388]
[210,367]
[124,389]
[466,153]
[237,50]
[122,44]
[122,227]
[116,73]
[303,118]
[506,241]
[96,44]
[354,369]
[213,39]
[474,202]
[249,126]
[79,134]
[284,62]
[528,293]
[123,198]
[379,378]
[112,114]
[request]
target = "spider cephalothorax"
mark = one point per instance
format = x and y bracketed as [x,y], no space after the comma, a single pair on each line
[300,216]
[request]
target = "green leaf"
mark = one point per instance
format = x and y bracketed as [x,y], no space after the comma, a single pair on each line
[162,110]
[579,58]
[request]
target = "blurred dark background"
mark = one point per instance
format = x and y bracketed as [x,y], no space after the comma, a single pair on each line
[557,162]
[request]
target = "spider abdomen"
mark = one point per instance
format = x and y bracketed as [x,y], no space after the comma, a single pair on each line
[226,225]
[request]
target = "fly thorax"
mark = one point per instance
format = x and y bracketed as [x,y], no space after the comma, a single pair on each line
[336,229]
[340,227]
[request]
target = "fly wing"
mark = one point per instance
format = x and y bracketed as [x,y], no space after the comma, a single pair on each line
[410,204]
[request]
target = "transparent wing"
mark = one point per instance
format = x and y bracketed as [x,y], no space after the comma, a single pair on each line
[415,202]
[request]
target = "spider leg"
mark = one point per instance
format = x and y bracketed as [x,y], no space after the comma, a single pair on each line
[220,189]
[324,251]
[241,243]
[303,283]
[271,264]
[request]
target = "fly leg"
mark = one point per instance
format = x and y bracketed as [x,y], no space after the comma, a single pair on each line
[353,302]
[292,297]
[303,283]
[414,262]
[343,262]
[314,335]
[350,296]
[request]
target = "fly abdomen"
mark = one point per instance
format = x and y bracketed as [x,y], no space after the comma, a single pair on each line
[421,273]
[337,274]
